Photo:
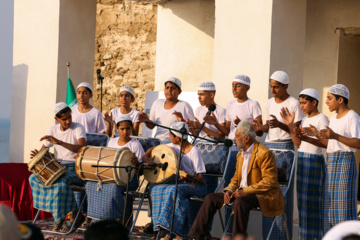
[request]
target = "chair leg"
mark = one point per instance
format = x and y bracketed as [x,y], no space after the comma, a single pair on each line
[36,216]
[221,220]
[271,228]
[286,228]
[228,225]
[138,210]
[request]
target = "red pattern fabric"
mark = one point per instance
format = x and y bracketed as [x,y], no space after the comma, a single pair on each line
[15,191]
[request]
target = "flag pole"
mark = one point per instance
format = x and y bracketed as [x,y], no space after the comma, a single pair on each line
[68,69]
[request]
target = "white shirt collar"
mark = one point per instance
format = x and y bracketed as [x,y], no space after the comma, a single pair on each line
[248,151]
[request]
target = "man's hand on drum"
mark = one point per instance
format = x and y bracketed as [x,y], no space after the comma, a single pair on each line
[33,153]
[146,158]
[50,139]
[135,161]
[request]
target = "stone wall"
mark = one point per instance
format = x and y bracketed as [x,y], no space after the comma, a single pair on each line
[125,49]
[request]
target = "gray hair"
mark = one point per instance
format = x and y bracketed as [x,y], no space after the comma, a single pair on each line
[246,129]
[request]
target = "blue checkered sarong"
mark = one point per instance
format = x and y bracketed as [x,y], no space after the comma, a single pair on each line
[58,199]
[309,184]
[339,195]
[162,203]
[107,201]
[279,229]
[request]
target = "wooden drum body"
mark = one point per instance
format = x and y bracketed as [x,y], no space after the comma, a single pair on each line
[46,168]
[104,156]
[162,154]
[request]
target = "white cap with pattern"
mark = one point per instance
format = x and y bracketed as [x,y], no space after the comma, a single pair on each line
[280,76]
[59,106]
[310,92]
[242,79]
[207,86]
[340,89]
[174,80]
[85,84]
[127,89]
[178,126]
[123,117]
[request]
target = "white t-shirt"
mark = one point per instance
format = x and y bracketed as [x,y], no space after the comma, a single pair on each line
[219,114]
[159,115]
[273,108]
[192,161]
[319,121]
[93,121]
[246,111]
[133,145]
[347,126]
[70,135]
[133,114]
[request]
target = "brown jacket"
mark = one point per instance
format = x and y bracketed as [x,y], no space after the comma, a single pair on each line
[262,180]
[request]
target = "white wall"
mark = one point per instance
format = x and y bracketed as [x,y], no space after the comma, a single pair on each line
[45,34]
[184,42]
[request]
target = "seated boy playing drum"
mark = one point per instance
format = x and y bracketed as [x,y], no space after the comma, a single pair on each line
[67,138]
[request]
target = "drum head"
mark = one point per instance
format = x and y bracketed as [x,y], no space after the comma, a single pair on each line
[124,159]
[162,154]
[37,158]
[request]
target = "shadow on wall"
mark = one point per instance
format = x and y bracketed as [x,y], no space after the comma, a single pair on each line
[188,10]
[17,125]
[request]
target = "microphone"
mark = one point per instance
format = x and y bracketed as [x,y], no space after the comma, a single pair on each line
[226,142]
[99,77]
[211,108]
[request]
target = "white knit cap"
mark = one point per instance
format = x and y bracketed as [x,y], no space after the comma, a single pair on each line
[174,80]
[280,76]
[127,89]
[311,93]
[123,117]
[59,106]
[207,86]
[242,79]
[340,89]
[341,230]
[178,126]
[85,84]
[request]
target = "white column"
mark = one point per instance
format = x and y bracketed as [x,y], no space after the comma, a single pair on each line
[46,35]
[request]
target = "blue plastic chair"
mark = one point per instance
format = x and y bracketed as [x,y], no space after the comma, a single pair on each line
[97,139]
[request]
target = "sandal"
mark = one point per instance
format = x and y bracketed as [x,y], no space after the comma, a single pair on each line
[148,228]
[67,226]
[86,223]
[57,226]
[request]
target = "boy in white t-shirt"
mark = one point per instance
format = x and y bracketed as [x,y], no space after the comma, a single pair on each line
[168,111]
[85,114]
[206,93]
[310,164]
[126,97]
[241,109]
[342,138]
[67,137]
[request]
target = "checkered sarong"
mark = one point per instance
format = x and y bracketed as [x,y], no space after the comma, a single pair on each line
[279,229]
[107,201]
[339,195]
[309,184]
[162,204]
[58,199]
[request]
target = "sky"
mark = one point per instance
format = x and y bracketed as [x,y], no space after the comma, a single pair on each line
[6,51]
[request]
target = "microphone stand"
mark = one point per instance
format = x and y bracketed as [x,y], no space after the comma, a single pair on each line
[100,81]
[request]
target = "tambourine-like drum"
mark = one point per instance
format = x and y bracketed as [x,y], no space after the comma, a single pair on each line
[46,168]
[162,154]
[104,156]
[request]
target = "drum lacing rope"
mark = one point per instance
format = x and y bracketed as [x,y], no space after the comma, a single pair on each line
[99,185]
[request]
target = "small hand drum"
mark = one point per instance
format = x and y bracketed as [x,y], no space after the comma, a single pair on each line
[162,154]
[104,156]
[46,168]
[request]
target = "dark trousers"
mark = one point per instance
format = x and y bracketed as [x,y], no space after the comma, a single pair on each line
[212,202]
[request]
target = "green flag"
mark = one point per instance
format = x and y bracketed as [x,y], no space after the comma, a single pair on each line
[70,94]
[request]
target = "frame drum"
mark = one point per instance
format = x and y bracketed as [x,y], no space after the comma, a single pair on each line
[104,156]
[162,154]
[46,168]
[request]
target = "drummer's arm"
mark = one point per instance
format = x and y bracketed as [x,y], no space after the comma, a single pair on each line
[81,142]
[146,158]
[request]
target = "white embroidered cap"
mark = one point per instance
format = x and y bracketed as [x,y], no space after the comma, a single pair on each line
[122,118]
[174,80]
[179,126]
[280,76]
[310,92]
[340,89]
[207,86]
[59,106]
[127,89]
[85,84]
[242,79]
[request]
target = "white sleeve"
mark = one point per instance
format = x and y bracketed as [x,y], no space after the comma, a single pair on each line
[199,166]
[152,116]
[298,113]
[139,151]
[188,112]
[256,110]
[101,124]
[228,116]
[136,116]
[267,114]
[80,132]
[354,127]
[221,117]
[323,123]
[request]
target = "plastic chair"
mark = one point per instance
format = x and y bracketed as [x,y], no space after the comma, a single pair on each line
[285,162]
[97,139]
[216,159]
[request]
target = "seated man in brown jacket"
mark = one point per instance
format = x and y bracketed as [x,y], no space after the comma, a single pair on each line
[255,183]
